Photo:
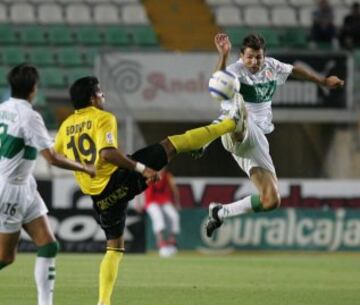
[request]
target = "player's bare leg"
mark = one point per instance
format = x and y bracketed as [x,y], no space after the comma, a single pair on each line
[109,269]
[267,200]
[8,243]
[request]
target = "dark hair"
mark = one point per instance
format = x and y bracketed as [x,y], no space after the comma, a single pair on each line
[82,90]
[22,80]
[253,41]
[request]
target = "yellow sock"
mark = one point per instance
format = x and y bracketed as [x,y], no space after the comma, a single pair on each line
[108,274]
[196,138]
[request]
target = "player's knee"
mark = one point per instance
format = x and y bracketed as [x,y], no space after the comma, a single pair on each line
[271,201]
[49,250]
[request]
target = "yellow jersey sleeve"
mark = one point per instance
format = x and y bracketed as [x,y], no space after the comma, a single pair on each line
[106,132]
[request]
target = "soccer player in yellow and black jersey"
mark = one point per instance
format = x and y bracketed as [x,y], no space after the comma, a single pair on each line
[89,136]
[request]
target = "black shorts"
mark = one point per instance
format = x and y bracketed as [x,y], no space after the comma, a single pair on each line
[111,204]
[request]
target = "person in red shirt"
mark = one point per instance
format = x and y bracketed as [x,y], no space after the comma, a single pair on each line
[162,205]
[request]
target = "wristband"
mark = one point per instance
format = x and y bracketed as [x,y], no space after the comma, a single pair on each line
[139,167]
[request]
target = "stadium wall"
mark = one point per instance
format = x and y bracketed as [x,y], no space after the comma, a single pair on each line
[315,215]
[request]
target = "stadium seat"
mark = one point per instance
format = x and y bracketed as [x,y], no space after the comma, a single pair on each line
[3,14]
[227,15]
[116,36]
[52,78]
[98,1]
[78,14]
[41,56]
[42,1]
[356,55]
[22,13]
[74,74]
[126,1]
[283,16]
[348,2]
[50,13]
[134,14]
[69,57]
[296,38]
[8,34]
[218,2]
[256,16]
[339,15]
[70,1]
[302,3]
[106,14]
[236,34]
[271,36]
[90,55]
[144,36]
[3,77]
[60,35]
[274,2]
[247,2]
[13,56]
[305,16]
[33,35]
[88,35]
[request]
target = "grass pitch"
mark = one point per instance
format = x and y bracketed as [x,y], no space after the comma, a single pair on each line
[194,279]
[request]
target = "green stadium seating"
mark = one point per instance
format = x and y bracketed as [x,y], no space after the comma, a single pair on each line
[70,57]
[40,100]
[271,36]
[3,77]
[236,34]
[13,56]
[74,74]
[144,36]
[356,55]
[116,36]
[52,78]
[8,35]
[60,35]
[296,38]
[89,35]
[33,35]
[41,56]
[90,55]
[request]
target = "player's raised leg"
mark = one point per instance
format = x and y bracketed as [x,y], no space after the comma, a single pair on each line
[267,200]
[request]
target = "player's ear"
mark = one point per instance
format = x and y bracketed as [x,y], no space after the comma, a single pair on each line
[33,93]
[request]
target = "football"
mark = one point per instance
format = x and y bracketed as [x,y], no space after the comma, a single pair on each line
[222,85]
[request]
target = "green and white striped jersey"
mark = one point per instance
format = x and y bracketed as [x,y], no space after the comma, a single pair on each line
[258,89]
[22,135]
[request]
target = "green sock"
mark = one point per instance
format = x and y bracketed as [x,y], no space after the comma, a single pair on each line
[257,205]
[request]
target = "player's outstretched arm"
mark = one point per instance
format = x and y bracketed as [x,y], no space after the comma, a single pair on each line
[60,161]
[223,46]
[331,82]
[116,157]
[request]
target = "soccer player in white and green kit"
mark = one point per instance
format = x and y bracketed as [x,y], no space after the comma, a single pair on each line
[259,77]
[22,135]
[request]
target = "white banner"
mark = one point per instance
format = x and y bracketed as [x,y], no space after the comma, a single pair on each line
[159,85]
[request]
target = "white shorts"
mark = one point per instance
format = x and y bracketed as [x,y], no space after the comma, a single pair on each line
[253,151]
[19,204]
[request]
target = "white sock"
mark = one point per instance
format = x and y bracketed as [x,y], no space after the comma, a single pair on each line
[45,279]
[240,207]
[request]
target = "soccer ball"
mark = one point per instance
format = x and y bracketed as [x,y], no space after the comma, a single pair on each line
[223,85]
